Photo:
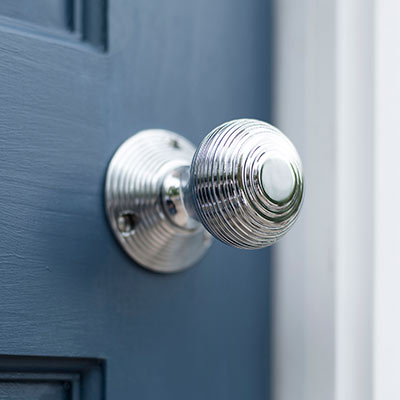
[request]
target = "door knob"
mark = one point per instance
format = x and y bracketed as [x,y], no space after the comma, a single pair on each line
[165,199]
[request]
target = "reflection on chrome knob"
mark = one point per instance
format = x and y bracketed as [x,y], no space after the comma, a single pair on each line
[243,185]
[247,184]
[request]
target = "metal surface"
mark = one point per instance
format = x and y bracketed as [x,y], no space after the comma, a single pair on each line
[247,183]
[153,231]
[244,185]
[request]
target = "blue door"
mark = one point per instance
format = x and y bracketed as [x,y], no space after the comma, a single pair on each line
[78,318]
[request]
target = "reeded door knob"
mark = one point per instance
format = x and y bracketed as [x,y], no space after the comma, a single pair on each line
[243,185]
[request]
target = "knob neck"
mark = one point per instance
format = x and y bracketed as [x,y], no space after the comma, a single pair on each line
[177,199]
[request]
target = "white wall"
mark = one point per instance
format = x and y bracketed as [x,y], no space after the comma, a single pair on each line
[337,274]
[304,261]
[387,201]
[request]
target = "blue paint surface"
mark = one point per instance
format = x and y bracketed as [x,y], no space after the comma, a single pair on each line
[67,289]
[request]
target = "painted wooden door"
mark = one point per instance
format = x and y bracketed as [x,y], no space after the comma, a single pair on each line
[78,319]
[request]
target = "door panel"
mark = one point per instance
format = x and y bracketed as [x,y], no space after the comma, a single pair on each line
[51,378]
[67,288]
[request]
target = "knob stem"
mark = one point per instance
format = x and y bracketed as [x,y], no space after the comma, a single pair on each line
[177,199]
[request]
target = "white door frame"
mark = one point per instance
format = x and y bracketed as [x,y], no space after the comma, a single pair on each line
[336,329]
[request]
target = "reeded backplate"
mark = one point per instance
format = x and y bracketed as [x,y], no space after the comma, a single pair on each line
[133,202]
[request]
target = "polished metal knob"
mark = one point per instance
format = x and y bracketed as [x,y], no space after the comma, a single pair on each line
[243,185]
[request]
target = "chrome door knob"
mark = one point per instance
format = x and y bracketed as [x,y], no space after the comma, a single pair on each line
[246,183]
[243,185]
